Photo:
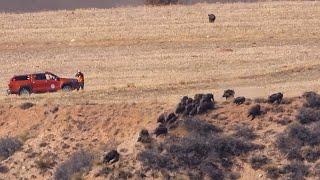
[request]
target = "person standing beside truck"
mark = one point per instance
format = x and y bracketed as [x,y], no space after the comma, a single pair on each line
[80,78]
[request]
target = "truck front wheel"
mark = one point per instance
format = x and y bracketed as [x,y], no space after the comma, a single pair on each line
[24,92]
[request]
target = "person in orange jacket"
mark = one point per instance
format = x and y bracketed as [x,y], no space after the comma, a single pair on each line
[80,78]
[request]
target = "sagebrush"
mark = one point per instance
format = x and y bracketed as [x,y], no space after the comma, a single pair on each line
[8,146]
[78,162]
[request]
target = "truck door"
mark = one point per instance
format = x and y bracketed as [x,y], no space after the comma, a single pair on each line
[39,83]
[52,82]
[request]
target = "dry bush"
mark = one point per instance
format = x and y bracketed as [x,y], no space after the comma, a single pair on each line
[313,100]
[9,146]
[316,168]
[47,161]
[297,136]
[315,131]
[212,170]
[308,115]
[161,2]
[78,162]
[3,169]
[244,131]
[277,109]
[273,172]
[153,159]
[289,147]
[204,151]
[291,141]
[199,127]
[296,170]
[300,132]
[284,121]
[258,161]
[311,154]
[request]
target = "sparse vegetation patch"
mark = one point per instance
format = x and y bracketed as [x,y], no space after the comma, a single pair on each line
[205,151]
[78,162]
[8,146]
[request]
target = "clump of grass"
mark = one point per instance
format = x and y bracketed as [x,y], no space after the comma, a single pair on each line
[308,115]
[3,169]
[78,162]
[199,127]
[284,121]
[291,141]
[297,136]
[311,154]
[259,161]
[47,161]
[8,146]
[244,131]
[296,170]
[212,170]
[316,168]
[273,172]
[313,100]
[154,160]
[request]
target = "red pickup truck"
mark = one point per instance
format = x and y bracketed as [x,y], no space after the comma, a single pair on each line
[40,83]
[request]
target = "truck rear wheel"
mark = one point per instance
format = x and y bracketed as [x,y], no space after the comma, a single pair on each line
[24,92]
[66,88]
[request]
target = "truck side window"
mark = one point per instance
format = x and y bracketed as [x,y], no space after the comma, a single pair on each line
[40,77]
[21,78]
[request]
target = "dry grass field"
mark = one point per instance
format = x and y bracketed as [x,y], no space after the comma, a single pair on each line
[138,63]
[163,52]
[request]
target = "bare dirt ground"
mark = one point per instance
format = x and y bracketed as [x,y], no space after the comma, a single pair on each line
[140,61]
